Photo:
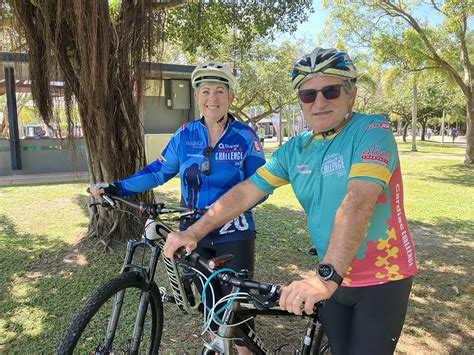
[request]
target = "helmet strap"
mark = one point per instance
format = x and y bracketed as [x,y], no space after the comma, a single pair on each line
[332,131]
[343,122]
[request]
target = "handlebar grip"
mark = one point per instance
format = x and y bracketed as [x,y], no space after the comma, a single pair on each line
[218,261]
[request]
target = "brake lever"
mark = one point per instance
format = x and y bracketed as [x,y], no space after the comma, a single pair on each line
[107,202]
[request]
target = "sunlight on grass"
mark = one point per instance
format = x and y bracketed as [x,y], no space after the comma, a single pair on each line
[437,189]
[31,320]
[21,289]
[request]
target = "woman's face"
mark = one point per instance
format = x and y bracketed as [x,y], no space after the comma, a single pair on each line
[323,114]
[213,99]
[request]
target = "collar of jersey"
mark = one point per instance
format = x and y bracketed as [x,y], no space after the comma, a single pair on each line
[328,135]
[230,119]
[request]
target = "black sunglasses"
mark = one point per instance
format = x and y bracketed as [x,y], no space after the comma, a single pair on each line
[206,163]
[330,92]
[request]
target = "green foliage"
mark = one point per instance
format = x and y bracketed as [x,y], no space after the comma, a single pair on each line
[265,78]
[204,25]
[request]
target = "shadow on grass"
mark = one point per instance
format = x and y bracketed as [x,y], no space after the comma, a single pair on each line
[458,174]
[22,287]
[441,307]
[43,283]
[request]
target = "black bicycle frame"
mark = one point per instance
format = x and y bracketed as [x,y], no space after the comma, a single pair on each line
[248,335]
[237,310]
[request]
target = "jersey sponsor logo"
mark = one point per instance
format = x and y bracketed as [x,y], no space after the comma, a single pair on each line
[333,164]
[229,146]
[196,144]
[400,218]
[375,155]
[229,152]
[229,156]
[383,125]
[303,169]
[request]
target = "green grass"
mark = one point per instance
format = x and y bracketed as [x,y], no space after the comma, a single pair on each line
[46,274]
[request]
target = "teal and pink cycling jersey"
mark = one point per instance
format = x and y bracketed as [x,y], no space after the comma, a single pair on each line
[319,170]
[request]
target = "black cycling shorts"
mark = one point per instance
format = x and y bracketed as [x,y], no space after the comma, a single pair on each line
[366,320]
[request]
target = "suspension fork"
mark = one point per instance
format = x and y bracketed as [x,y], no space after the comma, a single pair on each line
[144,296]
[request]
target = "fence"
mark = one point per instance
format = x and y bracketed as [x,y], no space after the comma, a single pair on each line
[44,155]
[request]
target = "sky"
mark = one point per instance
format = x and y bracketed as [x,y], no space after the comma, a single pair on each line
[311,28]
[315,23]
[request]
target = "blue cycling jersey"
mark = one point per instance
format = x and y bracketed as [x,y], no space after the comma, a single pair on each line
[206,172]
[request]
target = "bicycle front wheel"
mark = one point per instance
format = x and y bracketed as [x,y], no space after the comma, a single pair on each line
[90,328]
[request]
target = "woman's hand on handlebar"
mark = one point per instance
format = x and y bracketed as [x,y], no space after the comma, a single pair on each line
[100,188]
[97,193]
[302,295]
[176,240]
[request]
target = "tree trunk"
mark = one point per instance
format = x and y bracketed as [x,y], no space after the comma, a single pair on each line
[469,157]
[99,60]
[423,129]
[405,132]
[414,117]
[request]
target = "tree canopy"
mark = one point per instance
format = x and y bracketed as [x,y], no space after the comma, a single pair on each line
[415,36]
[97,47]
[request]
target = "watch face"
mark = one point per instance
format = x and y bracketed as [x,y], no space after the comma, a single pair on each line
[325,271]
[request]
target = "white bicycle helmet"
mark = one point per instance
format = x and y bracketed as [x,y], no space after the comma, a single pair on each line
[213,72]
[323,61]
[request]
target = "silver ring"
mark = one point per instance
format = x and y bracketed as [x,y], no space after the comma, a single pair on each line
[299,298]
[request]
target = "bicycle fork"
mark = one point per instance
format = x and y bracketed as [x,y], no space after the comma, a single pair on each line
[144,298]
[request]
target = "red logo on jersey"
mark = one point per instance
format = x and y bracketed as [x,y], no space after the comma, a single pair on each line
[256,145]
[383,125]
[376,155]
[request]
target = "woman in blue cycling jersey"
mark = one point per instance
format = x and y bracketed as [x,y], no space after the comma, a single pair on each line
[211,155]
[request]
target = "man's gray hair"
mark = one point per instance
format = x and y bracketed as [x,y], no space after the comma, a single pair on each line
[348,86]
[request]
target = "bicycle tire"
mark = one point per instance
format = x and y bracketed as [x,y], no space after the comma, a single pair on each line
[130,282]
[320,343]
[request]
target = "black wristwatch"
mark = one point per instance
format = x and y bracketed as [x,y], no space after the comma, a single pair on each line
[328,273]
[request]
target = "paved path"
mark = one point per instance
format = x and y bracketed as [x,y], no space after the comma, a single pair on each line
[434,156]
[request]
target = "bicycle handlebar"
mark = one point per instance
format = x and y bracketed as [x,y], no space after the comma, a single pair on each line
[152,209]
[269,294]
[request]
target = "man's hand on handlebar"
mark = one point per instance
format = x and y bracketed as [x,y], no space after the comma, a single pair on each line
[302,295]
[177,240]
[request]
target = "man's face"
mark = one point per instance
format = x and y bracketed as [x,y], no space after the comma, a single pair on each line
[213,99]
[324,114]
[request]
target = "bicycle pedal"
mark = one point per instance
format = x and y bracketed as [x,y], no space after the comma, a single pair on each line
[165,297]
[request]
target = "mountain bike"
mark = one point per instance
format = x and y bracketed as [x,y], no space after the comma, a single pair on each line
[125,314]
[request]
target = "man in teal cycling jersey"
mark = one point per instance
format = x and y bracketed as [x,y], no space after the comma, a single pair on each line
[346,175]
